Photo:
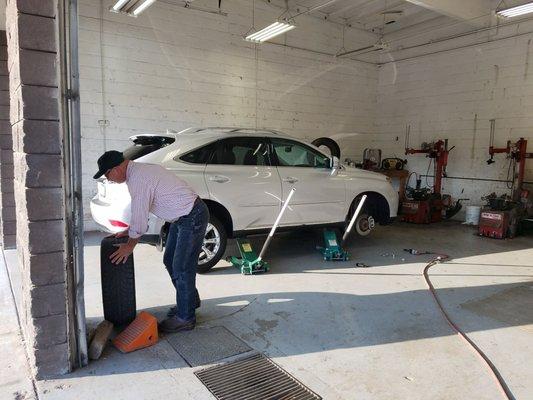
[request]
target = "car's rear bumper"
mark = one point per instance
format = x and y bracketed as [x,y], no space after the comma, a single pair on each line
[103,213]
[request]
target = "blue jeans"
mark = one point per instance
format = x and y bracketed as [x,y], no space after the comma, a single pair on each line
[182,249]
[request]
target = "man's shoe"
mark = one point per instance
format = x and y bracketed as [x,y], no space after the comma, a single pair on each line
[176,324]
[174,310]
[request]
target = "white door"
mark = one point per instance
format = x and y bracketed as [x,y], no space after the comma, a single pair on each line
[320,196]
[239,176]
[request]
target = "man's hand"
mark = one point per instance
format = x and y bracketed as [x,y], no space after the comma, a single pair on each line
[123,252]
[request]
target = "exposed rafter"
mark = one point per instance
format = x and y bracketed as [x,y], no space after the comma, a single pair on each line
[295,8]
[474,12]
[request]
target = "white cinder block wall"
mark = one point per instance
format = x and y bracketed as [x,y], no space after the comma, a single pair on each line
[453,95]
[172,68]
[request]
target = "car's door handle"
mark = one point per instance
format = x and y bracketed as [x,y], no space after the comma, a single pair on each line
[219,178]
[290,179]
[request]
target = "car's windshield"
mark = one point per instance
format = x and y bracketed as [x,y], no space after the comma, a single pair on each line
[294,154]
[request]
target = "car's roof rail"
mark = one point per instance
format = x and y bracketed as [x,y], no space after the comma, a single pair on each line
[232,129]
[154,135]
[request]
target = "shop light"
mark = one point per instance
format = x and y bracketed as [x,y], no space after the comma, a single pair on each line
[119,5]
[275,29]
[131,7]
[516,11]
[142,6]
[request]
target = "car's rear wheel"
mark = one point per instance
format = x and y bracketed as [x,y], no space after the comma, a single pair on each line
[214,245]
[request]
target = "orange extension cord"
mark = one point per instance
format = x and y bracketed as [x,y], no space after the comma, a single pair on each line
[506,392]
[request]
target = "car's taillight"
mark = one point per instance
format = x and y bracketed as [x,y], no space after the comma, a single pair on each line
[119,224]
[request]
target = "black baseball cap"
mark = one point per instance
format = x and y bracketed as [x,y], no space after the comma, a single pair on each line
[110,159]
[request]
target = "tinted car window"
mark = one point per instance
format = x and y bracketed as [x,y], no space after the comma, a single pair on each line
[241,151]
[144,145]
[294,154]
[199,156]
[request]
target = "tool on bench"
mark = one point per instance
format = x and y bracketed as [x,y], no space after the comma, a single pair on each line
[393,163]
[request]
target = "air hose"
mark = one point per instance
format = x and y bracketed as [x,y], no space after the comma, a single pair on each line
[506,392]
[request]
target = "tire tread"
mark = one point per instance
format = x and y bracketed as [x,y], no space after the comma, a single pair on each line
[118,285]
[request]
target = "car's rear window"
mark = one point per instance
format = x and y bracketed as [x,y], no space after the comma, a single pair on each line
[143,145]
[201,155]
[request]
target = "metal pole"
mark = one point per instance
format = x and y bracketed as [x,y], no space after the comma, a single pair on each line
[440,164]
[74,177]
[269,238]
[356,51]
[327,3]
[522,155]
[354,217]
[407,134]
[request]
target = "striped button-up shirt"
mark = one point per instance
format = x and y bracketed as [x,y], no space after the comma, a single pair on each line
[153,189]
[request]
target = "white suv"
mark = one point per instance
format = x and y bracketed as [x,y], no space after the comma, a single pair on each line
[244,175]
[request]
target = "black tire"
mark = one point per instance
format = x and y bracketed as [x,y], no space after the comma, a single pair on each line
[118,285]
[331,144]
[217,226]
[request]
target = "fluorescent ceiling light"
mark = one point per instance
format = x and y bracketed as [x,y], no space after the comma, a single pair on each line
[516,11]
[275,29]
[143,6]
[119,5]
[131,7]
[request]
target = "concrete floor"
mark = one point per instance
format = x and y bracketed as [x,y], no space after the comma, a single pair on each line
[15,382]
[345,332]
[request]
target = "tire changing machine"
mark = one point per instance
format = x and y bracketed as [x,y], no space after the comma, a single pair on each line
[502,216]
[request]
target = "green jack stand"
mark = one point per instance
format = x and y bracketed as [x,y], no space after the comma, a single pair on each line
[332,250]
[249,263]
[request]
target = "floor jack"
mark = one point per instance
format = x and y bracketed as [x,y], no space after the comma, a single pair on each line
[502,215]
[332,250]
[250,263]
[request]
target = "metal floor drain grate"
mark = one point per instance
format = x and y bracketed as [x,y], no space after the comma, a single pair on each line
[205,346]
[253,378]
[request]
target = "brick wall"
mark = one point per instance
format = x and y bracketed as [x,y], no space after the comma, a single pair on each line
[7,198]
[38,181]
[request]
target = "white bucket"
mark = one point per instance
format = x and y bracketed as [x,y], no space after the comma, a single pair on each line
[472,215]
